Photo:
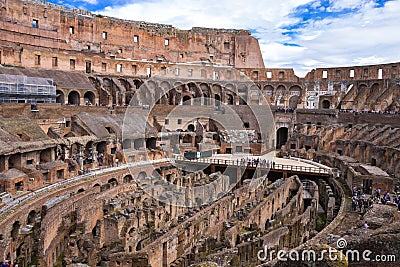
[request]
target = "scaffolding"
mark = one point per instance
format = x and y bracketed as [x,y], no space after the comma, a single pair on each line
[23,89]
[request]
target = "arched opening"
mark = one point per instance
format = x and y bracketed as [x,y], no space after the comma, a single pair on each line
[127,179]
[281,137]
[229,99]
[15,230]
[102,147]
[31,217]
[205,100]
[81,190]
[326,104]
[74,98]
[293,101]
[191,128]
[113,182]
[217,100]
[90,98]
[157,174]
[141,176]
[60,98]
[187,100]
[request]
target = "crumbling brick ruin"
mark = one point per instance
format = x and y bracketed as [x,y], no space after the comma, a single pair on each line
[76,190]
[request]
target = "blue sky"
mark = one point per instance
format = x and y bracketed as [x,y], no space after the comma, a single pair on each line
[299,34]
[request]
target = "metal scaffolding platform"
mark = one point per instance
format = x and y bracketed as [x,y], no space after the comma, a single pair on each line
[24,89]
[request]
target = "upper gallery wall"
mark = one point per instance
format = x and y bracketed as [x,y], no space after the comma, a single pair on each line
[29,29]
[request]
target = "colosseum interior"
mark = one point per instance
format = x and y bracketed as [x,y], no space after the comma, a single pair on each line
[126,143]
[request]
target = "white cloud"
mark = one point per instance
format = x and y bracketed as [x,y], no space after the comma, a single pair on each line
[368,36]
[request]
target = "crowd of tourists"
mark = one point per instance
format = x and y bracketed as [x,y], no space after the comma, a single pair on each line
[7,263]
[368,111]
[256,162]
[361,202]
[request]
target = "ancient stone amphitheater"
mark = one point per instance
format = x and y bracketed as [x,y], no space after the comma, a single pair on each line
[126,143]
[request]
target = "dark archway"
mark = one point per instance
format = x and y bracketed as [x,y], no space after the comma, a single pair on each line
[31,217]
[326,104]
[74,98]
[127,179]
[113,182]
[60,97]
[187,100]
[90,98]
[281,137]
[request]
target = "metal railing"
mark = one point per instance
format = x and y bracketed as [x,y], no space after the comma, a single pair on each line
[255,164]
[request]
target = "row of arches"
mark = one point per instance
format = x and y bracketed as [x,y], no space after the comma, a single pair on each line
[75,98]
[122,91]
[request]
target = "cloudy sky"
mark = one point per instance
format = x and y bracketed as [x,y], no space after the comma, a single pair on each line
[299,34]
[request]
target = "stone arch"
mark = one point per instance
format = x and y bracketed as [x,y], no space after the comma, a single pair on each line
[90,98]
[293,101]
[206,93]
[113,181]
[74,98]
[60,97]
[15,230]
[326,104]
[142,175]
[127,179]
[31,217]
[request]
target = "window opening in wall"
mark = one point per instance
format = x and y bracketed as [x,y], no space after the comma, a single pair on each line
[104,35]
[226,45]
[71,29]
[72,64]
[103,66]
[338,73]
[190,72]
[88,67]
[54,62]
[324,74]
[166,121]
[134,69]
[351,73]
[269,74]
[380,74]
[281,75]
[35,23]
[37,59]
[119,67]
[136,39]
[166,42]
[179,121]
